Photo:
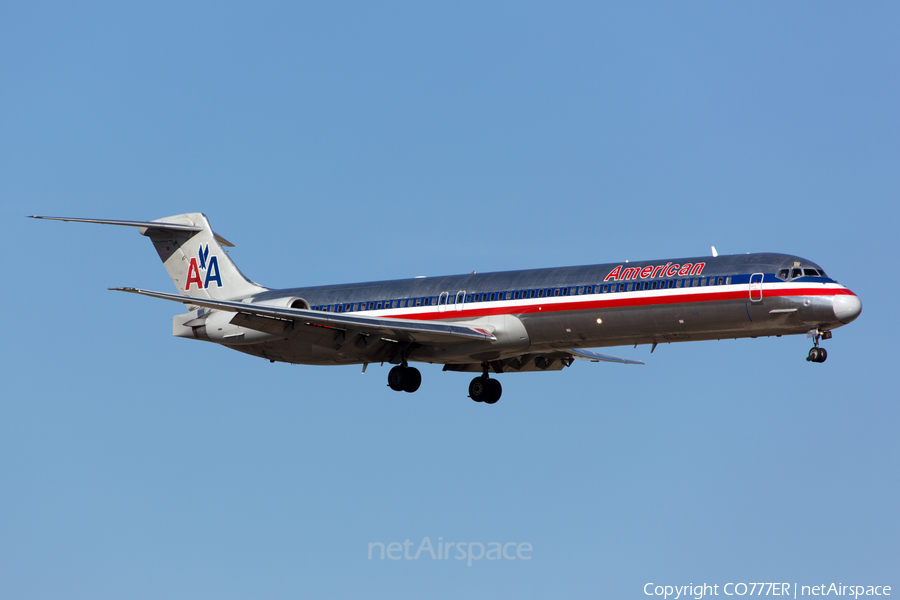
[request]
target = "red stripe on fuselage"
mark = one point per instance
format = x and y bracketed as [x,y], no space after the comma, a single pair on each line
[452,314]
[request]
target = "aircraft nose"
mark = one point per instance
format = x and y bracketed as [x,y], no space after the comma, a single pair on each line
[847,307]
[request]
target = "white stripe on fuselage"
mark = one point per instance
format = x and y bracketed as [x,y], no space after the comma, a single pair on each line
[450,311]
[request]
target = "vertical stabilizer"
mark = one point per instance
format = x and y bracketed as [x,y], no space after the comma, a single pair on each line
[196,260]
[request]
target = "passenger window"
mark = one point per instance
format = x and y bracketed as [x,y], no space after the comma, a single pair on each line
[728,281]
[556,291]
[721,280]
[679,283]
[468,297]
[604,289]
[418,302]
[516,296]
[628,287]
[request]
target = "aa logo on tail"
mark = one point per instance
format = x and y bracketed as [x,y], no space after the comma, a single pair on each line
[211,269]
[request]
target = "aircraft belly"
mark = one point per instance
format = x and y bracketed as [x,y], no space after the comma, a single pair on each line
[678,322]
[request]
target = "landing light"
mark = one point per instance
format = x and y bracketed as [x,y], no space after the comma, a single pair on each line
[599,321]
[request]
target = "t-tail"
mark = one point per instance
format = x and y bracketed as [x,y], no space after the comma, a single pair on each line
[192,254]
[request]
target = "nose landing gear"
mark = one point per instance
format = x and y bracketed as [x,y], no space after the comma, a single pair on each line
[816,354]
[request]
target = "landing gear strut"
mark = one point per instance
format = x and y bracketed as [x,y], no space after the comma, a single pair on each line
[816,354]
[483,389]
[403,378]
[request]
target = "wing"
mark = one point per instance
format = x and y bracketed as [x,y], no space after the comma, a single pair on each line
[597,357]
[555,360]
[274,320]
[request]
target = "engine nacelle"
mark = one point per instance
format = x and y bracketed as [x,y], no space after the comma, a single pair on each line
[287,302]
[216,326]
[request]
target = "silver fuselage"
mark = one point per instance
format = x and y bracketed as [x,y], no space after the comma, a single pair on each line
[542,310]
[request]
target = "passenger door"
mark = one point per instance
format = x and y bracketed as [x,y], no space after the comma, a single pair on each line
[460,299]
[756,287]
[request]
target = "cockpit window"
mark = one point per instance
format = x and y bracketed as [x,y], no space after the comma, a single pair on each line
[796,273]
[811,272]
[783,274]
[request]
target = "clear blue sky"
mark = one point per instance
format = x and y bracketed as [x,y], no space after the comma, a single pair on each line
[378,141]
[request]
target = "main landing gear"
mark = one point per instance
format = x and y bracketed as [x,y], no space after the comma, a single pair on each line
[816,354]
[484,389]
[403,378]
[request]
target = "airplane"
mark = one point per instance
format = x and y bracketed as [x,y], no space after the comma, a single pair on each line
[504,322]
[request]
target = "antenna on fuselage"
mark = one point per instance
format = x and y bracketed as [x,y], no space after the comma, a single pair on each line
[715,254]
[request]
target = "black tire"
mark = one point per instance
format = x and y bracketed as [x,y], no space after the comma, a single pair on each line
[495,390]
[813,355]
[397,378]
[478,389]
[412,381]
[822,355]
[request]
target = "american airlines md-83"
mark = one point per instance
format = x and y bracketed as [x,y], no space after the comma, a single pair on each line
[508,322]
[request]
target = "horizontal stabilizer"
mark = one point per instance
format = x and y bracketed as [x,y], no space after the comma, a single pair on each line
[143,224]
